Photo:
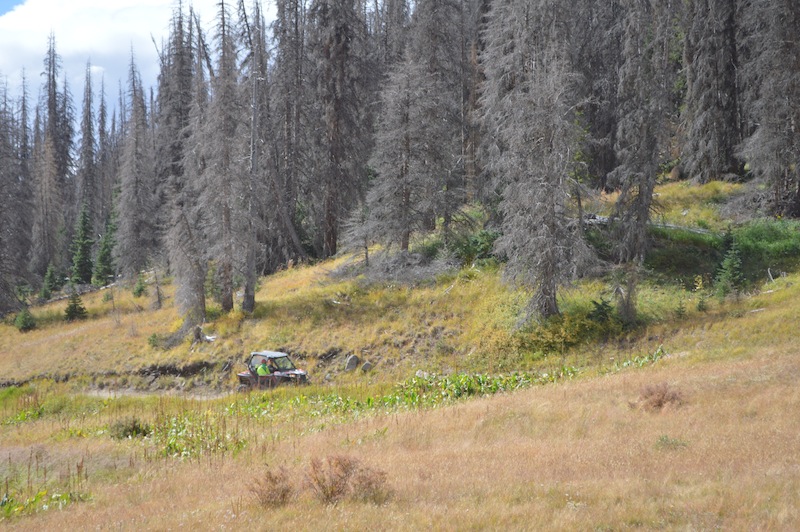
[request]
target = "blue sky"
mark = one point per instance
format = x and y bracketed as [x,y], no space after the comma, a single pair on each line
[103,32]
[7,5]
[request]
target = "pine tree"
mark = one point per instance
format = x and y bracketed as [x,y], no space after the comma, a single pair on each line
[136,202]
[770,78]
[185,242]
[291,135]
[86,175]
[9,176]
[338,48]
[82,244]
[75,309]
[401,184]
[529,104]
[712,106]
[104,271]
[225,178]
[436,47]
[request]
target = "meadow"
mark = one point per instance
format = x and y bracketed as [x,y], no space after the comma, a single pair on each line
[467,421]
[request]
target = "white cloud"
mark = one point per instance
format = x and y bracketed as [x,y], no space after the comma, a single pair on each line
[102,32]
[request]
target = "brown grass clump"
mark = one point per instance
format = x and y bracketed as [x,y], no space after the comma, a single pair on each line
[337,477]
[273,488]
[656,397]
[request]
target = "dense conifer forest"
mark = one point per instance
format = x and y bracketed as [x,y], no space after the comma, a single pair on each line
[355,122]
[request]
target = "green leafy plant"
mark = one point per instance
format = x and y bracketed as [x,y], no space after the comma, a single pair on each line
[140,288]
[131,427]
[25,321]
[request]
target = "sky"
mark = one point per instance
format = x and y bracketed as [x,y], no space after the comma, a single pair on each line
[102,32]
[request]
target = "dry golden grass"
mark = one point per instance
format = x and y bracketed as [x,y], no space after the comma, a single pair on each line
[579,455]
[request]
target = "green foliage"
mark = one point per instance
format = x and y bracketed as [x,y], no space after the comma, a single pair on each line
[82,249]
[681,254]
[154,341]
[476,246]
[25,321]
[767,243]
[140,288]
[702,298]
[729,279]
[128,428]
[75,309]
[191,434]
[569,329]
[665,443]
[51,283]
[104,264]
[429,247]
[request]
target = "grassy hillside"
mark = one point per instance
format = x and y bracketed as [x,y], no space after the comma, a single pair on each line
[467,421]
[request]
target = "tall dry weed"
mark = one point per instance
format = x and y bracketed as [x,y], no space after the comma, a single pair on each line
[273,488]
[337,477]
[656,397]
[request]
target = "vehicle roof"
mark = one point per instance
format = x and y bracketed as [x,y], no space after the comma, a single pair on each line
[268,354]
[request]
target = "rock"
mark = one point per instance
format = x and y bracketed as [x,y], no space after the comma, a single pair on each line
[367,366]
[351,363]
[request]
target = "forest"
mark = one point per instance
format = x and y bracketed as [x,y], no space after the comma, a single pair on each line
[342,124]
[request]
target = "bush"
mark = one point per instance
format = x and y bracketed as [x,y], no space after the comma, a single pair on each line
[25,321]
[129,428]
[656,397]
[338,477]
[766,244]
[474,247]
[140,289]
[273,488]
[330,480]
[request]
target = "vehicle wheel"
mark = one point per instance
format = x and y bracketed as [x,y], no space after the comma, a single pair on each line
[242,388]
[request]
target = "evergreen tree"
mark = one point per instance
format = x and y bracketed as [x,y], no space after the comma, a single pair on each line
[136,202]
[86,175]
[9,176]
[104,271]
[224,181]
[401,185]
[75,309]
[82,244]
[770,79]
[712,107]
[52,281]
[184,239]
[338,48]
[436,46]
[644,113]
[25,321]
[529,104]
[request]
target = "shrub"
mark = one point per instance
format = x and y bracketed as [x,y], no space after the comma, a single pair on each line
[273,488]
[140,289]
[474,247]
[330,479]
[369,485]
[25,321]
[129,428]
[656,397]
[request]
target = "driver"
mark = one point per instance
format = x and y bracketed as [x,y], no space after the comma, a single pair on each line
[263,370]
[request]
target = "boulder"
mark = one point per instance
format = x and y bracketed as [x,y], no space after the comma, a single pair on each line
[351,363]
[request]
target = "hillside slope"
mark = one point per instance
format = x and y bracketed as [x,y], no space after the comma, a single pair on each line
[699,439]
